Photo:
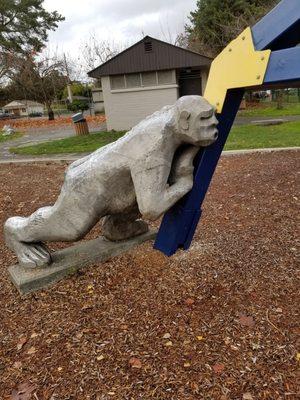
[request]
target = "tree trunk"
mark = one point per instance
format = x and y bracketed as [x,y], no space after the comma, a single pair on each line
[280,99]
[50,114]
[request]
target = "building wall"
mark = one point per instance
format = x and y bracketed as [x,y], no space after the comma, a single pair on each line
[204,78]
[124,108]
[98,101]
[35,109]
[25,111]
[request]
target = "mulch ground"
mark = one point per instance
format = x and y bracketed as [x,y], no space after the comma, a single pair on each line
[220,321]
[24,124]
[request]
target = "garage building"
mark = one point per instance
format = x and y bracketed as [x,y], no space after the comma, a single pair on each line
[145,77]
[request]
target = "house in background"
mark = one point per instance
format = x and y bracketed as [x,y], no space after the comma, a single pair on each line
[144,78]
[23,108]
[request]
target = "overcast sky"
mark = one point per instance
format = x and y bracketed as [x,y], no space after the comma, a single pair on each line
[119,20]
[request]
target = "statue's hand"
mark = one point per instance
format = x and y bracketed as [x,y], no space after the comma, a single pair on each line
[183,166]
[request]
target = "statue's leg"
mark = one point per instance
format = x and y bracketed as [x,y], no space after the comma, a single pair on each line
[124,226]
[72,216]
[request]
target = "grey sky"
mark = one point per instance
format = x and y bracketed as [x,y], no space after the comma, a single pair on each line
[117,20]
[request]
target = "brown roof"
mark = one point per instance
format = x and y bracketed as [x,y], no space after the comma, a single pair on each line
[150,54]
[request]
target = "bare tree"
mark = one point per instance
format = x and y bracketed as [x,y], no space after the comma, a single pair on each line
[39,79]
[96,51]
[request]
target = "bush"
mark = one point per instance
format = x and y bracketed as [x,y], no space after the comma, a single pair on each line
[35,114]
[78,105]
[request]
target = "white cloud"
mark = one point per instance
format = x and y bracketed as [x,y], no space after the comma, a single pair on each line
[119,20]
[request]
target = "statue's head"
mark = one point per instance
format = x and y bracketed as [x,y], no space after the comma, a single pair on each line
[196,122]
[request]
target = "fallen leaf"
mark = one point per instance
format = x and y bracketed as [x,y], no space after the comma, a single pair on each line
[32,350]
[100,358]
[187,365]
[255,346]
[169,344]
[59,369]
[227,340]
[21,343]
[86,307]
[189,302]
[23,392]
[79,335]
[200,338]
[17,364]
[34,335]
[246,321]
[195,387]
[166,336]
[247,396]
[298,357]
[135,363]
[218,368]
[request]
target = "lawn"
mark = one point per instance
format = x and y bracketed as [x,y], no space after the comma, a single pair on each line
[270,110]
[9,137]
[76,144]
[260,137]
[241,137]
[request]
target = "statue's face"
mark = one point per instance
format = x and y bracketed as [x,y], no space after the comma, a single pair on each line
[199,126]
[203,127]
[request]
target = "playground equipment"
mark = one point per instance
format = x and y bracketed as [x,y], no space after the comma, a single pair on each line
[262,57]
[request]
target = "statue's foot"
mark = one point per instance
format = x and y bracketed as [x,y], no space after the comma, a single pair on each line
[115,230]
[30,255]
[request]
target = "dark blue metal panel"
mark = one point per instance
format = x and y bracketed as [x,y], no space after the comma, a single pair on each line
[284,66]
[179,224]
[280,28]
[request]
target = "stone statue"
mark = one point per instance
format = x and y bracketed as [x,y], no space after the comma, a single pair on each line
[141,175]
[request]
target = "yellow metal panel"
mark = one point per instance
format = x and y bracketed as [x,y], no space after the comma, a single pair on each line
[238,65]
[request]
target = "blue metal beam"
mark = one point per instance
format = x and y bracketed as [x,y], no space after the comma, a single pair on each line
[280,28]
[284,66]
[179,223]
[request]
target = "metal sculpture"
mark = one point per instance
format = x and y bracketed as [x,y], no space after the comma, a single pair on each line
[260,58]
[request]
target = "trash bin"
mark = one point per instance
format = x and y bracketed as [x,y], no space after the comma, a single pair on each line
[81,126]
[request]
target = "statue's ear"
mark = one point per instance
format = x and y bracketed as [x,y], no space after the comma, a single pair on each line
[184,120]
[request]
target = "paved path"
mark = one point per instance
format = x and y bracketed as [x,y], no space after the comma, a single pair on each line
[33,137]
[73,157]
[251,120]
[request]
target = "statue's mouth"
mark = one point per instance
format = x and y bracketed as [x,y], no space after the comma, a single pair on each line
[211,138]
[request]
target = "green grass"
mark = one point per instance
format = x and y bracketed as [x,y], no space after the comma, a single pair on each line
[9,137]
[241,137]
[259,137]
[76,144]
[270,110]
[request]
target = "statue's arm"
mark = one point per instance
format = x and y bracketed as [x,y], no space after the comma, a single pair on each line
[154,195]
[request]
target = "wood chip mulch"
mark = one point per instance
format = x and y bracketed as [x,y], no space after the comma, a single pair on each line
[219,322]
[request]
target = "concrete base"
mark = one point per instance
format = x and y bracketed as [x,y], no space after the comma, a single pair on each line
[67,261]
